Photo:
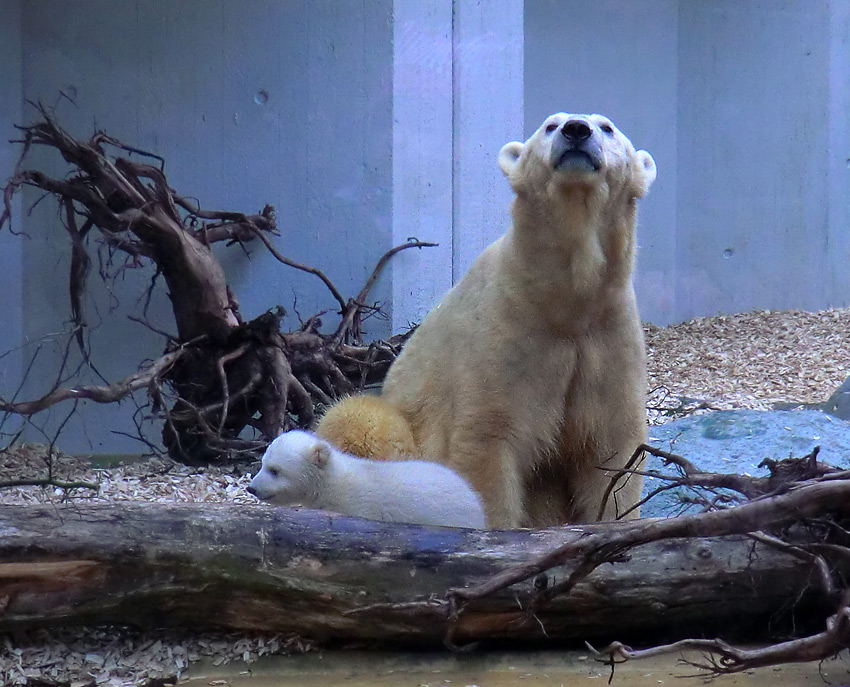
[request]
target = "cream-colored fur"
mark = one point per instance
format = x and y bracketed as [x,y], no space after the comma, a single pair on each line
[529,377]
[301,468]
[367,426]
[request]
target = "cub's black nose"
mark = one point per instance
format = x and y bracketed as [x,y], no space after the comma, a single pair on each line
[576,130]
[251,490]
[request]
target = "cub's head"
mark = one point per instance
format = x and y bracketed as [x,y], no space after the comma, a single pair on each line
[293,469]
[571,150]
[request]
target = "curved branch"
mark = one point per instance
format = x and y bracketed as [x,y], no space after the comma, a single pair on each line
[351,310]
[304,268]
[385,258]
[225,388]
[80,266]
[14,184]
[806,500]
[723,658]
[235,226]
[49,482]
[99,394]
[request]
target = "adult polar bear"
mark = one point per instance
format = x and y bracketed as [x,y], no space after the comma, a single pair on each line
[529,378]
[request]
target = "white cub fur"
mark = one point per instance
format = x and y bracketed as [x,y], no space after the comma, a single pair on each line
[300,468]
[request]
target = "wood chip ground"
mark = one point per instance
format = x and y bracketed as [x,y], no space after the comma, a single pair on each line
[750,360]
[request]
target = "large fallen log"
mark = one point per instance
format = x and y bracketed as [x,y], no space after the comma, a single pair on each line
[330,577]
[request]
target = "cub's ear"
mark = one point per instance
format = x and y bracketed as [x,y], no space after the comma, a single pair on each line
[509,157]
[648,169]
[320,454]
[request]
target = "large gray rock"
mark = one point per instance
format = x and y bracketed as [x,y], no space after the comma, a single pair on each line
[839,403]
[736,441]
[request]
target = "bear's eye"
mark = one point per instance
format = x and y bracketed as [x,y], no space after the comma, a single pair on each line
[607,128]
[551,127]
[274,472]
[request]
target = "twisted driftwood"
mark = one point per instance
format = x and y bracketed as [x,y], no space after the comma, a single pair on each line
[219,374]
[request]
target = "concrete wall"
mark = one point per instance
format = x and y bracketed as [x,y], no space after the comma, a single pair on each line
[457,98]
[753,221]
[365,122]
[11,247]
[422,155]
[838,156]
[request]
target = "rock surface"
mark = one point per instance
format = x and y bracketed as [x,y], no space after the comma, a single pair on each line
[839,403]
[736,441]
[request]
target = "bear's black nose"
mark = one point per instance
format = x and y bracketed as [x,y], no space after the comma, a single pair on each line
[576,130]
[251,490]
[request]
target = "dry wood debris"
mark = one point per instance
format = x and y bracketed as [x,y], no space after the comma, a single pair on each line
[220,375]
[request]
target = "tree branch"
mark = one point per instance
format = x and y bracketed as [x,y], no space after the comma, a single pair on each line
[304,268]
[350,328]
[723,658]
[805,500]
[49,482]
[99,394]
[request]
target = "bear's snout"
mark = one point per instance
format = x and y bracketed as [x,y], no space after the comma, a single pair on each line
[251,490]
[577,149]
[576,131]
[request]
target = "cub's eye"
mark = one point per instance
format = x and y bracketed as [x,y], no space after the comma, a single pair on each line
[607,128]
[551,127]
[274,472]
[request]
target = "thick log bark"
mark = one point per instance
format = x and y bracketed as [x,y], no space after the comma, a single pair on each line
[330,577]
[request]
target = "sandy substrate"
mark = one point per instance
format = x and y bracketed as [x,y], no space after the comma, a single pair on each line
[751,360]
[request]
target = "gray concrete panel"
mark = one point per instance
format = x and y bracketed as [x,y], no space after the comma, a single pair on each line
[837,269]
[421,156]
[753,203]
[11,310]
[488,112]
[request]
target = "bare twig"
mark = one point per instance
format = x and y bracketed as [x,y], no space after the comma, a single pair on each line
[304,268]
[152,327]
[222,375]
[49,482]
[99,394]
[817,561]
[349,327]
[783,474]
[723,658]
[627,469]
[80,265]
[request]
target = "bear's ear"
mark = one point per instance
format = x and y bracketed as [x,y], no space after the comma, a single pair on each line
[647,167]
[320,454]
[509,156]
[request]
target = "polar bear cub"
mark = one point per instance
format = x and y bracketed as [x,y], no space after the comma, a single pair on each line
[300,468]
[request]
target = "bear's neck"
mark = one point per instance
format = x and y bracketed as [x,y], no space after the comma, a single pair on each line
[581,235]
[576,250]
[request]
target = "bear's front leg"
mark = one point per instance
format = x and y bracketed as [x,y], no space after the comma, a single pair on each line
[491,467]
